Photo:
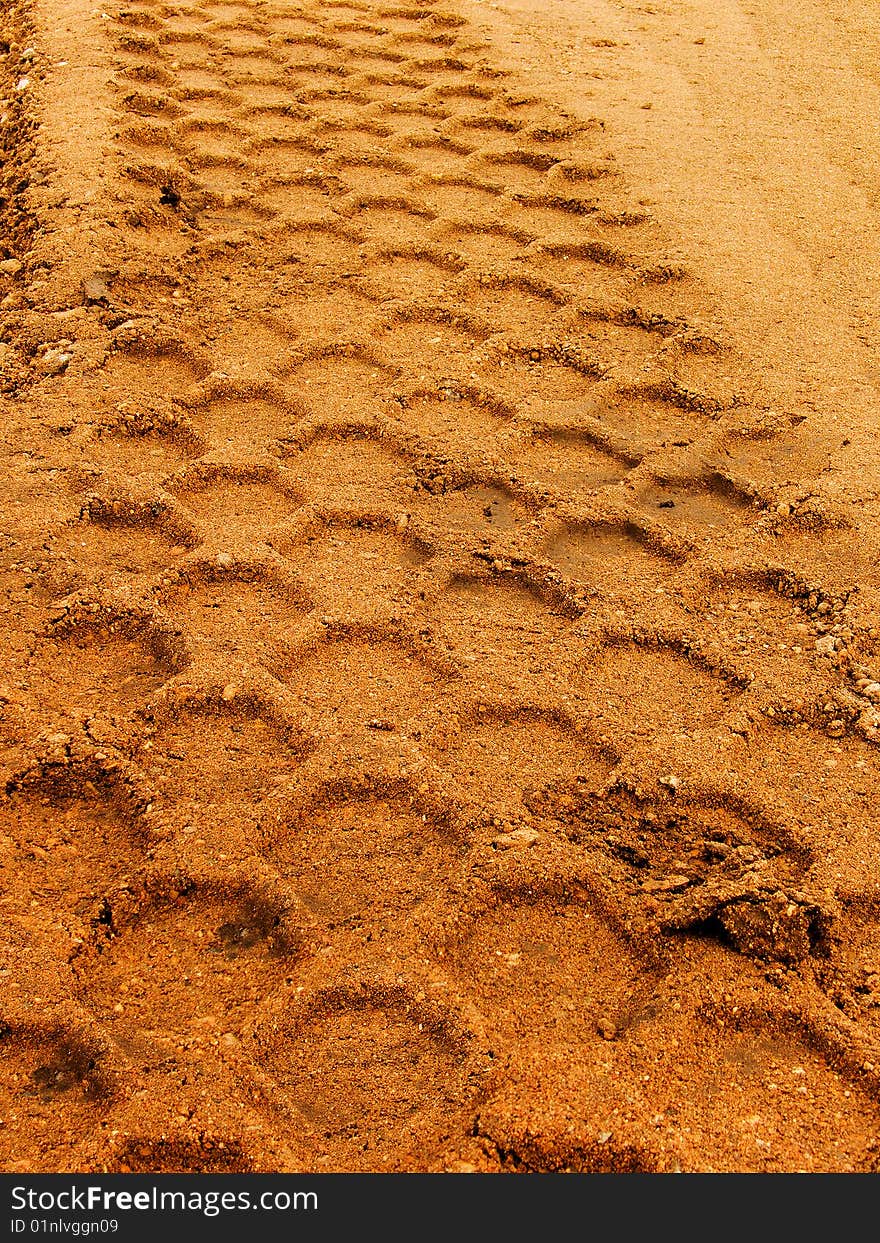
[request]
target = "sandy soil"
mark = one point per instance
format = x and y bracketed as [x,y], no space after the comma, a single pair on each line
[440,665]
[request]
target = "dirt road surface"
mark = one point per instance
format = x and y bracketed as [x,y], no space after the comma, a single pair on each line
[439,655]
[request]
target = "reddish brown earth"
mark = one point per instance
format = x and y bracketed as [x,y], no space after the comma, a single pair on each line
[440,665]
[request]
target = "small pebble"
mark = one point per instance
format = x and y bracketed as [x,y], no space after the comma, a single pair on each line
[53,362]
[667,885]
[516,837]
[95,289]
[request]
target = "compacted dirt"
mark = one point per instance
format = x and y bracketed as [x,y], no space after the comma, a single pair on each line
[440,674]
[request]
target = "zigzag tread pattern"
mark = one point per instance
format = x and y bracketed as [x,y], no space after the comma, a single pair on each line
[426,724]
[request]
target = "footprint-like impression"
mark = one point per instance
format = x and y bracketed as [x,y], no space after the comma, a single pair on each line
[477,511]
[206,962]
[380,1082]
[362,862]
[129,550]
[66,840]
[546,965]
[220,761]
[567,460]
[351,569]
[414,275]
[532,377]
[498,605]
[516,309]
[239,509]
[657,692]
[151,1154]
[254,421]
[352,469]
[607,556]
[340,385]
[432,348]
[455,419]
[117,666]
[485,245]
[145,374]
[52,1102]
[364,681]
[502,627]
[392,222]
[703,510]
[248,617]
[116,451]
[503,758]
[789,1099]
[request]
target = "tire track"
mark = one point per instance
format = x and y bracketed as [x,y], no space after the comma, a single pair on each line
[418,595]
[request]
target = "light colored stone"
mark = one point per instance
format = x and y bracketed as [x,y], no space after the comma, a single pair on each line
[54,362]
[516,837]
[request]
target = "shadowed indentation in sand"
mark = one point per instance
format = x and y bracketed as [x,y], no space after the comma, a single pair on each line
[49,1087]
[532,377]
[477,511]
[373,1079]
[199,962]
[695,507]
[126,549]
[256,421]
[336,385]
[349,467]
[358,860]
[295,201]
[245,615]
[114,666]
[379,564]
[67,837]
[462,200]
[605,556]
[658,692]
[454,417]
[211,1155]
[152,453]
[381,179]
[473,606]
[415,274]
[515,308]
[539,963]
[567,460]
[751,1058]
[236,506]
[169,374]
[353,682]
[504,756]
[219,754]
